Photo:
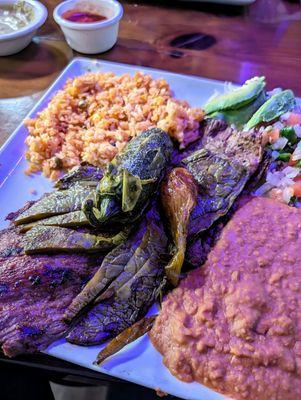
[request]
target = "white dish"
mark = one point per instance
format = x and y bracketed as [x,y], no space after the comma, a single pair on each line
[95,37]
[139,362]
[13,42]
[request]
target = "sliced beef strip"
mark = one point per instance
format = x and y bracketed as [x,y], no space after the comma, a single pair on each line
[35,292]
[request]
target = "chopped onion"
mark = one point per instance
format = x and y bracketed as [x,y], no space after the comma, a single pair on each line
[273,178]
[280,143]
[297,129]
[285,116]
[284,178]
[285,182]
[278,125]
[291,172]
[297,154]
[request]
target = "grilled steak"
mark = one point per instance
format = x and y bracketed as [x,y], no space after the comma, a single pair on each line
[35,292]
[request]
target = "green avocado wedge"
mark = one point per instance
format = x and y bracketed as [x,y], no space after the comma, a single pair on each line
[273,108]
[238,97]
[241,116]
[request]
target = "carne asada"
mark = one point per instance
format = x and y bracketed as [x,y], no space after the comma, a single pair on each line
[35,292]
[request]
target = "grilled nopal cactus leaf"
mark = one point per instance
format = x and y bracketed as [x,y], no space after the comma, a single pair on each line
[135,289]
[220,180]
[179,197]
[55,203]
[84,174]
[278,104]
[238,97]
[130,179]
[41,239]
[73,219]
[112,266]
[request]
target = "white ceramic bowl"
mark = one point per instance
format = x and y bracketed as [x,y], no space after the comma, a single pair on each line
[94,37]
[13,42]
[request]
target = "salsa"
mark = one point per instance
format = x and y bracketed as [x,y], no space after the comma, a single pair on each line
[83,16]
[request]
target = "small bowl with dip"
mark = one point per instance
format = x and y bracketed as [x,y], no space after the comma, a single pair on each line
[19,21]
[89,26]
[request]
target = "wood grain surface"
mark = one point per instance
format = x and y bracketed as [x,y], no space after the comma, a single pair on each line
[226,43]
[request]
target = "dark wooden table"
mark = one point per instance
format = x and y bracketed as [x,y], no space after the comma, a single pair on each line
[213,41]
[228,44]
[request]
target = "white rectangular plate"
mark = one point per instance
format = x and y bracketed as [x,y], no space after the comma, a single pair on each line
[139,362]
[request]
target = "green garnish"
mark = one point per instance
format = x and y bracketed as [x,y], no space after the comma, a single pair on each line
[293,200]
[284,156]
[298,164]
[237,98]
[289,133]
[278,104]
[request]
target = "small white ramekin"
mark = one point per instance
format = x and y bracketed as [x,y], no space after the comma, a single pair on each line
[94,37]
[13,42]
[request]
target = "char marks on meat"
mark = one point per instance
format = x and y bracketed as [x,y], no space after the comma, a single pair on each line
[35,292]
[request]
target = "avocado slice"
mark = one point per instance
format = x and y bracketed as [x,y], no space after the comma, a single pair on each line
[238,97]
[242,115]
[273,108]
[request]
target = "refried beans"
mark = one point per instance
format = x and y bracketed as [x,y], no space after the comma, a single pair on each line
[235,324]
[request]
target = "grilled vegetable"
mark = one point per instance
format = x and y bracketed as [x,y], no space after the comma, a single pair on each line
[84,174]
[240,116]
[112,266]
[139,287]
[278,104]
[238,97]
[126,337]
[73,219]
[130,180]
[220,181]
[179,197]
[55,203]
[42,239]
